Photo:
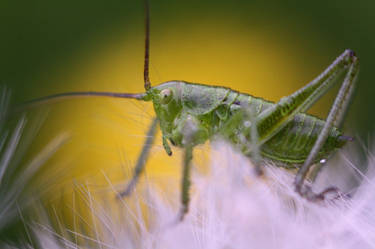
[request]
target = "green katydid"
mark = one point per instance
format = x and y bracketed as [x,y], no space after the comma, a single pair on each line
[189,114]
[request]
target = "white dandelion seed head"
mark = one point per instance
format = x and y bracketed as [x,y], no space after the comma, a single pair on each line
[232,208]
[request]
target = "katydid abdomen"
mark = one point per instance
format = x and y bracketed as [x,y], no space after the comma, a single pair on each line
[293,143]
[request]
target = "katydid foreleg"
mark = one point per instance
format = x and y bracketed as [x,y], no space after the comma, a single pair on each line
[186,182]
[141,162]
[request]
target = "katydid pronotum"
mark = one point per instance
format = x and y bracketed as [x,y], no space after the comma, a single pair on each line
[189,114]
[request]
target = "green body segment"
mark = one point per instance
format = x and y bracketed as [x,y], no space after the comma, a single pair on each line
[294,142]
[197,113]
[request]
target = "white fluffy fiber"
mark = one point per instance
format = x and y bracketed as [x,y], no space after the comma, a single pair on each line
[231,208]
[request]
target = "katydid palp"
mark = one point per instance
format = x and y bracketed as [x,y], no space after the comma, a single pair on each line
[189,114]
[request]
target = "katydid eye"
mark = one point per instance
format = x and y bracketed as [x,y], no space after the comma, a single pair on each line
[166,96]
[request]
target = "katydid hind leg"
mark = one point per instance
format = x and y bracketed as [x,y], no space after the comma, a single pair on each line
[334,117]
[141,162]
[273,119]
[315,171]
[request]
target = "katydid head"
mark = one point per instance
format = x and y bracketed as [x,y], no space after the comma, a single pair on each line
[167,103]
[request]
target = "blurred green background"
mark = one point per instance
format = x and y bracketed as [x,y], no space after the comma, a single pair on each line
[265,48]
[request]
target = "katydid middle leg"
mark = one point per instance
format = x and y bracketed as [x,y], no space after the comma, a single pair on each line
[245,115]
[188,125]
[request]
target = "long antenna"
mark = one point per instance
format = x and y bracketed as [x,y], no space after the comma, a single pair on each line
[147,47]
[69,95]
